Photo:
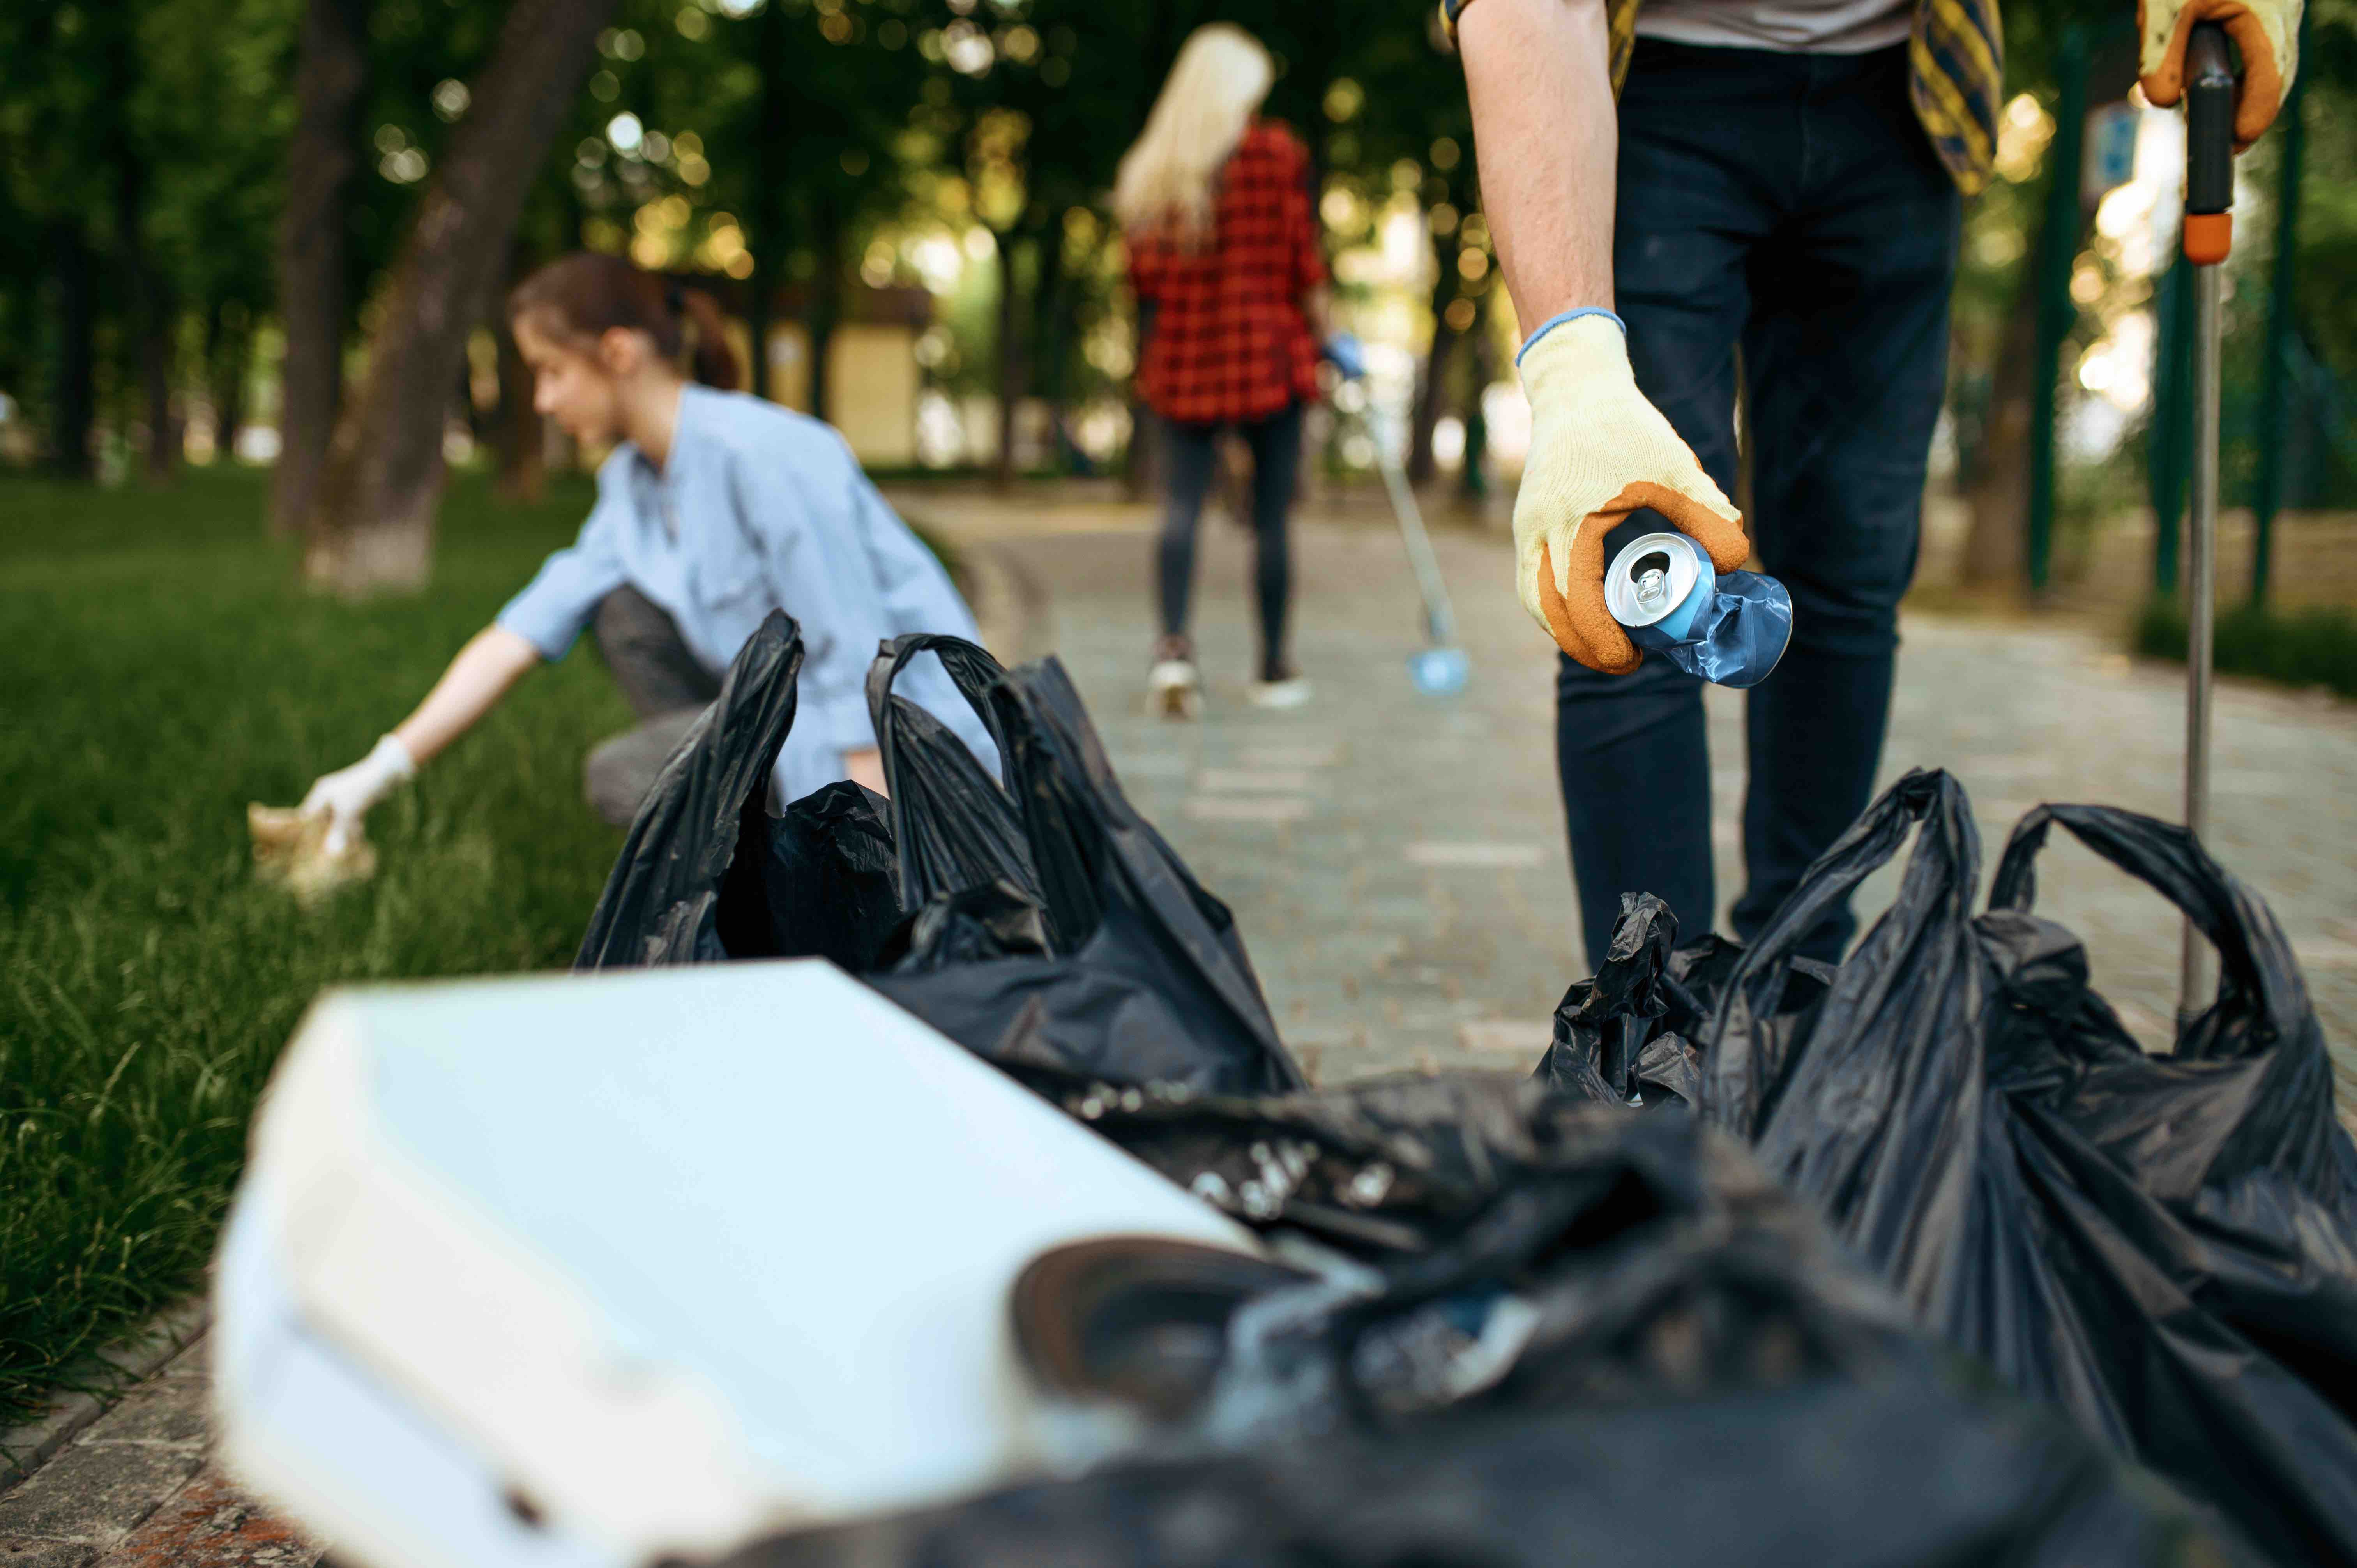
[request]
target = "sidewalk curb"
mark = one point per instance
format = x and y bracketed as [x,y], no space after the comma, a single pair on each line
[92,1387]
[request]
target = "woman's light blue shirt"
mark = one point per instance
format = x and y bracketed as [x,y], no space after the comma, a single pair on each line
[759,508]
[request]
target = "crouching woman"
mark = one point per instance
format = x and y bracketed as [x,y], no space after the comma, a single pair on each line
[714,509]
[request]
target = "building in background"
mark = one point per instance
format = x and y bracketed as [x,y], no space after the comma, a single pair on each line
[874,381]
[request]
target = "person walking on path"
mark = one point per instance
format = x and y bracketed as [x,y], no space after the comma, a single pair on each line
[1778,195]
[1222,240]
[714,509]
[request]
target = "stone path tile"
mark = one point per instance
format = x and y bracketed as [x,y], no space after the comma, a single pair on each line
[138,1488]
[212,1524]
[1398,866]
[91,1388]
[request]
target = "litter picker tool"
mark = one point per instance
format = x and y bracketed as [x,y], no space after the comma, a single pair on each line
[1440,668]
[2209,236]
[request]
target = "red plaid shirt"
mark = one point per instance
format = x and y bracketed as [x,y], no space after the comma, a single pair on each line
[1228,342]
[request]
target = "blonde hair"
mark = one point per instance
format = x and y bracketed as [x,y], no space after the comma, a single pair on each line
[1166,181]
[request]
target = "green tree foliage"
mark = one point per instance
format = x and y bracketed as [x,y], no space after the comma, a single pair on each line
[141,170]
[137,166]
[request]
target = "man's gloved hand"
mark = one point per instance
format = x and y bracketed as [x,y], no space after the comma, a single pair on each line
[347,794]
[1599,451]
[2266,31]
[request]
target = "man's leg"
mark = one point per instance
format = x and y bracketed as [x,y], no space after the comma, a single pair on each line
[1277,463]
[1187,454]
[1846,359]
[1633,750]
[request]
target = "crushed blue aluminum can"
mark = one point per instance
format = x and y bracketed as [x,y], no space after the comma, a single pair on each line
[1729,628]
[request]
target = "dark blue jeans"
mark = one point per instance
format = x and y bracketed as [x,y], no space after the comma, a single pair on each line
[1788,205]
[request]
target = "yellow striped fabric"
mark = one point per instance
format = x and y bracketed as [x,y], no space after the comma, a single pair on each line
[1955,52]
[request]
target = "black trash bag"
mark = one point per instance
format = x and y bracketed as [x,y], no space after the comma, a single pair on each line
[1627,1035]
[2164,1247]
[1894,1474]
[956,827]
[1143,978]
[1624,1344]
[663,902]
[992,921]
[829,882]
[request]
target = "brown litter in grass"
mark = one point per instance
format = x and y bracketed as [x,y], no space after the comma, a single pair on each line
[290,850]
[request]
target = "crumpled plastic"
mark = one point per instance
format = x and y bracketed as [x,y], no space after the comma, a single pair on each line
[829,882]
[1554,1334]
[2164,1246]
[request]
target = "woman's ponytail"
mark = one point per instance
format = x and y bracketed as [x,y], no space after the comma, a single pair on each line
[709,357]
[587,294]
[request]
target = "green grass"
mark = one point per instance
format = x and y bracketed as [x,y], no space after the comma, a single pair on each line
[161,669]
[2311,646]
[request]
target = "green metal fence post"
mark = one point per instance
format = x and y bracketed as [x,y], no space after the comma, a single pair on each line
[2275,370]
[2058,249]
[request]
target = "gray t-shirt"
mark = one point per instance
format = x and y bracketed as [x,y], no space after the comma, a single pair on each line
[1796,27]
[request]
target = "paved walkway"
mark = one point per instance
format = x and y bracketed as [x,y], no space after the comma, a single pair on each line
[1398,864]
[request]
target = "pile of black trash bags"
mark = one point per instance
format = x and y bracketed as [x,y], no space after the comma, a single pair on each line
[1915,1260]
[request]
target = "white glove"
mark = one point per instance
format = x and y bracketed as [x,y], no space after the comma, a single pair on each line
[1599,451]
[347,794]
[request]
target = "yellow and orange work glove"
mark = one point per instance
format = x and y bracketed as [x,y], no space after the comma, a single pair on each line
[1599,451]
[2266,31]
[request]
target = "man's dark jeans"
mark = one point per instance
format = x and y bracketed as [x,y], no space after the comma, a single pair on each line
[1789,205]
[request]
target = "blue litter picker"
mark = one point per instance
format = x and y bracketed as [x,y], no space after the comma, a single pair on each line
[1438,669]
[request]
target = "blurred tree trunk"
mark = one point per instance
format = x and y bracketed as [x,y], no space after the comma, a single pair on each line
[522,445]
[1139,466]
[321,160]
[1434,385]
[229,348]
[1472,476]
[1051,315]
[372,526]
[1011,378]
[148,319]
[157,313]
[1996,544]
[765,213]
[823,309]
[73,389]
[1139,470]
[518,444]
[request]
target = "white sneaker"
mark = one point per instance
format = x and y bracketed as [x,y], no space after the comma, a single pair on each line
[1291,691]
[1174,690]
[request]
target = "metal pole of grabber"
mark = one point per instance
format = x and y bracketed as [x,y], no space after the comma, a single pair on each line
[2208,238]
